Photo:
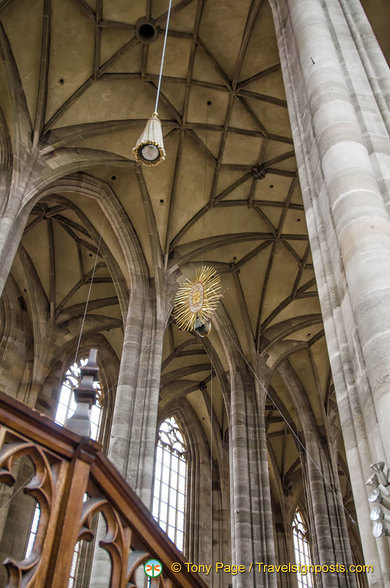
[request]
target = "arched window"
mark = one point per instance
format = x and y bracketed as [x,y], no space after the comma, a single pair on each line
[66,404]
[302,551]
[65,408]
[169,490]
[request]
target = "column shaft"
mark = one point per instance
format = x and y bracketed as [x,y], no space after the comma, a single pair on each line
[335,85]
[133,433]
[252,528]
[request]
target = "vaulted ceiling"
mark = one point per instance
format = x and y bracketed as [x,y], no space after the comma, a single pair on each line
[227,195]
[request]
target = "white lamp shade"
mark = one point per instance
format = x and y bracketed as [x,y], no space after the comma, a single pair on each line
[149,149]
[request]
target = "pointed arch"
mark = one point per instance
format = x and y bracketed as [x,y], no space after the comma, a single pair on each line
[170,481]
[302,550]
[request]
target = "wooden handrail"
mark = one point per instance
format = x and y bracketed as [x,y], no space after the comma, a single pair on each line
[67,467]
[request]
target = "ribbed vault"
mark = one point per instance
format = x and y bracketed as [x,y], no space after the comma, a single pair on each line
[80,87]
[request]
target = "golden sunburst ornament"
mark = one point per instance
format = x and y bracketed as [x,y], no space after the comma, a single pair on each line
[197,299]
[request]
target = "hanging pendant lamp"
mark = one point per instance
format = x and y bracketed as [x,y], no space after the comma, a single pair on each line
[149,149]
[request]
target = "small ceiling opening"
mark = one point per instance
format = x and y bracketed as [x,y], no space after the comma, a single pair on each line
[146,30]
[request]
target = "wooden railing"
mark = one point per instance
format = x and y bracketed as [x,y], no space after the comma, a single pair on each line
[72,482]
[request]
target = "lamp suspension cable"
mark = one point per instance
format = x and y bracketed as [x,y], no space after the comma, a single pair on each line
[163,57]
[149,149]
[89,291]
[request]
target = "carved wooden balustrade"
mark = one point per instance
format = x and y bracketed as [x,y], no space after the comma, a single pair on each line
[72,482]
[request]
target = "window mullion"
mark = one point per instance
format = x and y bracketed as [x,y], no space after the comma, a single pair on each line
[302,550]
[173,453]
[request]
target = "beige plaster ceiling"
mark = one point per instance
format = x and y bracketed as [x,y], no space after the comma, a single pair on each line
[227,194]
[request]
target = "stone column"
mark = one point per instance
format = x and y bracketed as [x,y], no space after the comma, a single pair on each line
[12,225]
[133,432]
[251,511]
[284,555]
[329,534]
[134,423]
[329,539]
[338,113]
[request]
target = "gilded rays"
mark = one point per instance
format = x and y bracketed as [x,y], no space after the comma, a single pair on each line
[197,299]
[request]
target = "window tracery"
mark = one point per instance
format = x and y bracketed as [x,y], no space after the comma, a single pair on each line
[67,405]
[169,492]
[302,551]
[65,408]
